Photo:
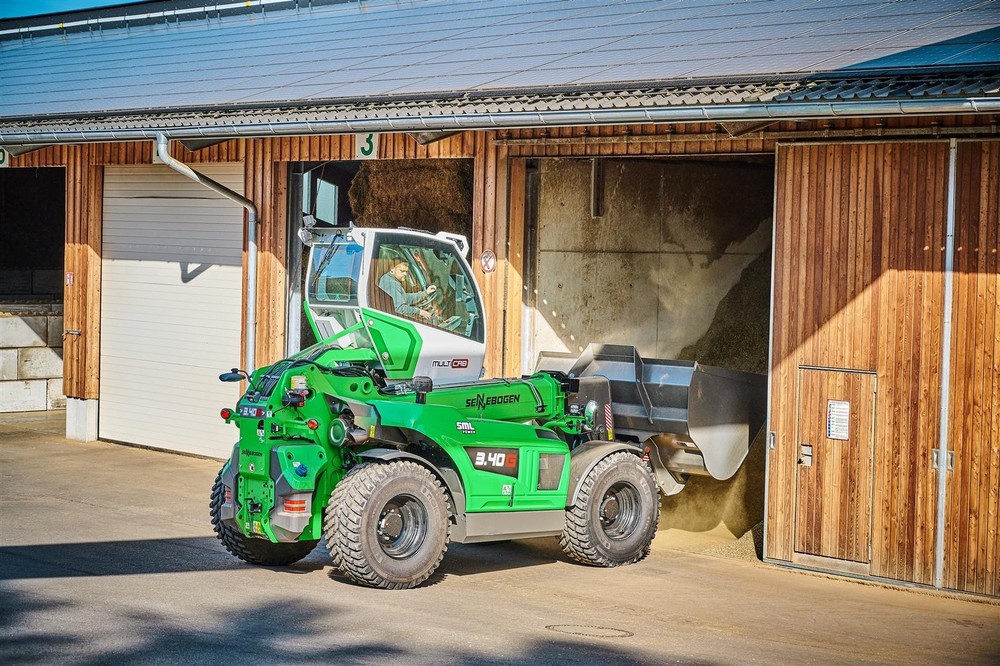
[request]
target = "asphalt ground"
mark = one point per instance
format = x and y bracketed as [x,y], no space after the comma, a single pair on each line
[107,556]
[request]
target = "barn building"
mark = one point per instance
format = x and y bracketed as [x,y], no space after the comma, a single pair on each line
[805,189]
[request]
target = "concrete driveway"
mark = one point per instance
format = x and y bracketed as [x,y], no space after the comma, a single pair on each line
[107,555]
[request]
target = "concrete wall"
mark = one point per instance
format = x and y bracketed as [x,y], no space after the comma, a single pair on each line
[674,239]
[31,364]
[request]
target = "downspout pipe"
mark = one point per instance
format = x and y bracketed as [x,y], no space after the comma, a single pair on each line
[250,341]
[945,423]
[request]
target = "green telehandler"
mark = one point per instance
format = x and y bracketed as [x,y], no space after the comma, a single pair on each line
[384,440]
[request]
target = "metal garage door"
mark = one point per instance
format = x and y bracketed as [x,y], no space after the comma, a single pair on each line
[170,308]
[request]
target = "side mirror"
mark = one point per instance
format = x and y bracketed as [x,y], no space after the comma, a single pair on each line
[233,376]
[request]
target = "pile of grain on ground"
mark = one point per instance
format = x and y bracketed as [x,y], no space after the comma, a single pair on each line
[750,546]
[737,337]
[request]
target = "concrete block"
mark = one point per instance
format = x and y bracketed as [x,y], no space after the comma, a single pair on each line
[39,362]
[55,397]
[55,330]
[46,283]
[23,331]
[19,396]
[81,419]
[8,364]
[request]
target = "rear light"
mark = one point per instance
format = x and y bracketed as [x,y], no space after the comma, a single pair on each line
[312,424]
[226,413]
[229,496]
[294,505]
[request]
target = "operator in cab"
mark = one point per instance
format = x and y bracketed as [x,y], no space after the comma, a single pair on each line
[403,301]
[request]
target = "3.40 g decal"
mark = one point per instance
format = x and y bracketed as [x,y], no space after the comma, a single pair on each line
[498,461]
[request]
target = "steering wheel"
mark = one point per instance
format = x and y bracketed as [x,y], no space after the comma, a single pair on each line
[429,300]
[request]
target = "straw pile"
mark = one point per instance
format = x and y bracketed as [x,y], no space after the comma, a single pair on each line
[434,195]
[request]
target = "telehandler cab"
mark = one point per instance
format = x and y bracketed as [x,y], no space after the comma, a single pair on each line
[384,440]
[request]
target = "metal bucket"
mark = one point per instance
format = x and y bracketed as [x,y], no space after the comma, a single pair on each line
[699,419]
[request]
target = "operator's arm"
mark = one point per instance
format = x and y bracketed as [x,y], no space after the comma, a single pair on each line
[401,301]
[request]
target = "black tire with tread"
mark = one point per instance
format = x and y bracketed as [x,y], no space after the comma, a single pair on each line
[585,540]
[352,521]
[255,551]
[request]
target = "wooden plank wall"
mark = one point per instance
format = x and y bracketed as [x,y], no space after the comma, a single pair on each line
[82,306]
[858,285]
[265,186]
[498,225]
[972,544]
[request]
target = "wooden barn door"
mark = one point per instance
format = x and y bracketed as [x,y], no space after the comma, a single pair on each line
[836,444]
[859,257]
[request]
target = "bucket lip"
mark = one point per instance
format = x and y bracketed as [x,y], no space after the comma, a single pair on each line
[754,378]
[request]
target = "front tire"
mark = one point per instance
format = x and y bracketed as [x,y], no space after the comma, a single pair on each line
[255,551]
[387,525]
[614,518]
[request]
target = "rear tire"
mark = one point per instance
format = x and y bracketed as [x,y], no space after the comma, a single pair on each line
[615,515]
[387,525]
[255,551]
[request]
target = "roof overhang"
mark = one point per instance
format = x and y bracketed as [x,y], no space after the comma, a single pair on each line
[745,102]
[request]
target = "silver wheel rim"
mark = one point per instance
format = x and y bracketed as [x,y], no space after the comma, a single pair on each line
[620,511]
[402,526]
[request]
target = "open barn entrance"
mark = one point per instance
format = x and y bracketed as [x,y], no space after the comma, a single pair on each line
[672,256]
[32,237]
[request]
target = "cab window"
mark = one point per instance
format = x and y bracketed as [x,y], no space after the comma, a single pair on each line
[334,274]
[423,280]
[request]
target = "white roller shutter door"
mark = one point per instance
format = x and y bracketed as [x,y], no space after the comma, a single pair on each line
[171,303]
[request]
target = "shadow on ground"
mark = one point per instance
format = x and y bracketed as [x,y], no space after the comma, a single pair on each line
[35,629]
[189,554]
[292,631]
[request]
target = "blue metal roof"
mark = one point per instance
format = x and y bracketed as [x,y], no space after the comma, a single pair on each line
[292,54]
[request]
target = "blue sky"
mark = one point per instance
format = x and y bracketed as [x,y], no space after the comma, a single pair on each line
[18,8]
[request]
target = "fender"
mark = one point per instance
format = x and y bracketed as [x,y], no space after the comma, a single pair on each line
[586,456]
[228,474]
[451,481]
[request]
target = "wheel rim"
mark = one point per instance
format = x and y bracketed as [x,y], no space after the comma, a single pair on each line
[620,510]
[401,526]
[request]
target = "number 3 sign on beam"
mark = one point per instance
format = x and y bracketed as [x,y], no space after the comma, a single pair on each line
[366,146]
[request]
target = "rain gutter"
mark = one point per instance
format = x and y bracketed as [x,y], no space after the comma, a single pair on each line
[250,341]
[523,119]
